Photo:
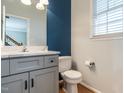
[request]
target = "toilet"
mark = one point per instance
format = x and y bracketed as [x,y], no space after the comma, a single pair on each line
[71,77]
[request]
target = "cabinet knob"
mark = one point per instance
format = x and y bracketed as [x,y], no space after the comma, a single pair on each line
[51,61]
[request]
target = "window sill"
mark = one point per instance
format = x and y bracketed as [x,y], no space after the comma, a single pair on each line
[107,36]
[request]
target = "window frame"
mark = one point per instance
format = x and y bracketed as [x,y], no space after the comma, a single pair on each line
[116,35]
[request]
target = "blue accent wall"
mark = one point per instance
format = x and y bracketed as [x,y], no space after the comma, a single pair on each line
[59,26]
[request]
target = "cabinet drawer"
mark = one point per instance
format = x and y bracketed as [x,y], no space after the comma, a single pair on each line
[51,61]
[18,65]
[4,67]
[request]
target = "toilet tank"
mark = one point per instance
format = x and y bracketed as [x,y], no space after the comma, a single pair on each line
[65,63]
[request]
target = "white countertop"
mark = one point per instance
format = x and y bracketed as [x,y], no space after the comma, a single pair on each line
[25,54]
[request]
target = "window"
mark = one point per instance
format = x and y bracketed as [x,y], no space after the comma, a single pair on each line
[107,17]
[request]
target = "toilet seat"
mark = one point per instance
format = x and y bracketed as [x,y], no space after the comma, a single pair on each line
[72,74]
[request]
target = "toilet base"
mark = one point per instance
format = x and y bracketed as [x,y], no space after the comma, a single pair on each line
[71,88]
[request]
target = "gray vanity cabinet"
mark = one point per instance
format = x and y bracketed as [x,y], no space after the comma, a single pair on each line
[15,84]
[44,81]
[37,74]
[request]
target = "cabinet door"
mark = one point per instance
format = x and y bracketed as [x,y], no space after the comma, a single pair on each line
[15,84]
[44,81]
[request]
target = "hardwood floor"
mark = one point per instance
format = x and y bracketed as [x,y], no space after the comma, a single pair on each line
[81,89]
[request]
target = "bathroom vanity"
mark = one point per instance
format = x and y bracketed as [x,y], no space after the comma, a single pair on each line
[35,72]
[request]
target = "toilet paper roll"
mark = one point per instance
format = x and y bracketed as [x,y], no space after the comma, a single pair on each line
[88,63]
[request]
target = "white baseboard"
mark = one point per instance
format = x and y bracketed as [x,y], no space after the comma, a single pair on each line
[90,88]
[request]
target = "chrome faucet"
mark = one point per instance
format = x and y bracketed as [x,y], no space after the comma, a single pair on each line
[24,49]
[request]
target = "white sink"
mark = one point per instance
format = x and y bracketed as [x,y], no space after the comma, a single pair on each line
[28,53]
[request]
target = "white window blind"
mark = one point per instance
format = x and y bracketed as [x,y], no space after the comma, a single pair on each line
[108,16]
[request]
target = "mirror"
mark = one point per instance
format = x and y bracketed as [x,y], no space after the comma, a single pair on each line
[17,30]
[23,24]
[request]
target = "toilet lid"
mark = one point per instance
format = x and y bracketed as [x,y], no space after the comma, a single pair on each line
[72,74]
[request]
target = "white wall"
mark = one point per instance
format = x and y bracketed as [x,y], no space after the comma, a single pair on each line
[107,54]
[37,18]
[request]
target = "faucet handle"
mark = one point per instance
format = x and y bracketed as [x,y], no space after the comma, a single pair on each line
[24,49]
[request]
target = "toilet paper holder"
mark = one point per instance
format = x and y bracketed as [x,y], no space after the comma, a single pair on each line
[92,66]
[89,63]
[92,63]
